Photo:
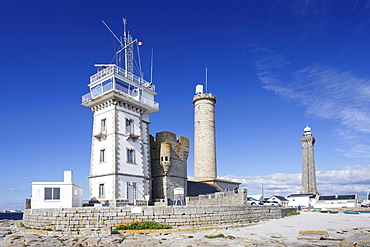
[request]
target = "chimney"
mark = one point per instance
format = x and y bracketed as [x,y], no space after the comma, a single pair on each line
[68,176]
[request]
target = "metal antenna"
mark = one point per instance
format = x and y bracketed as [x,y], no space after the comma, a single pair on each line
[138,53]
[206,80]
[124,29]
[128,49]
[112,33]
[151,67]
[126,45]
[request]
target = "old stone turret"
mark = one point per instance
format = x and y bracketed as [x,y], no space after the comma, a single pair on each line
[169,156]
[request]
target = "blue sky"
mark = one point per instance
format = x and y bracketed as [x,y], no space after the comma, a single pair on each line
[275,66]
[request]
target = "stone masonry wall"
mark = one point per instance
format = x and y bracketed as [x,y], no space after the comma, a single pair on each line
[91,219]
[220,198]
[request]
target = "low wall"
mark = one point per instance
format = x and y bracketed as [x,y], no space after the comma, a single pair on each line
[91,219]
[219,198]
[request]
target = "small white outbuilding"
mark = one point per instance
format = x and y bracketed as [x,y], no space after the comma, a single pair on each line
[302,200]
[337,201]
[64,194]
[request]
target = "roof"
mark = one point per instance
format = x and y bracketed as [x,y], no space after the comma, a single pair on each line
[214,180]
[337,197]
[199,188]
[281,198]
[302,195]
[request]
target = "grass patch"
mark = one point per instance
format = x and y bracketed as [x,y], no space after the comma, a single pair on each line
[142,226]
[293,213]
[215,236]
[230,237]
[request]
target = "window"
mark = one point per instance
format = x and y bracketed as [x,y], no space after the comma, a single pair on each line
[52,193]
[103,125]
[102,155]
[130,155]
[101,190]
[129,126]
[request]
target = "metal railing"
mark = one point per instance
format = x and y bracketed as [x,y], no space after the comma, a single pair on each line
[111,69]
[110,87]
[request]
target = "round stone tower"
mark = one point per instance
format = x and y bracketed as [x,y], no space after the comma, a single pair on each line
[204,135]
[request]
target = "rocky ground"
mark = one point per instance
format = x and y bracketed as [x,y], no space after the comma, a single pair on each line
[307,229]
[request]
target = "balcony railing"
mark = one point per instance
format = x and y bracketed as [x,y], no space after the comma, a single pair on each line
[122,72]
[110,87]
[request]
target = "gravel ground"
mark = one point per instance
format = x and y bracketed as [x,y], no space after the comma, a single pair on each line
[306,229]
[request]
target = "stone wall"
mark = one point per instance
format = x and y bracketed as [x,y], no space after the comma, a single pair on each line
[91,219]
[220,198]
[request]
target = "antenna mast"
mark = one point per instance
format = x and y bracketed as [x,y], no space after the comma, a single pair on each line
[206,80]
[129,57]
[126,43]
[151,67]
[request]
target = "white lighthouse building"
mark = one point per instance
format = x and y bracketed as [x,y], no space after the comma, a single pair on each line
[120,152]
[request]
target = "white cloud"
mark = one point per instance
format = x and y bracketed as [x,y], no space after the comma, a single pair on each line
[344,180]
[11,204]
[356,151]
[9,189]
[326,93]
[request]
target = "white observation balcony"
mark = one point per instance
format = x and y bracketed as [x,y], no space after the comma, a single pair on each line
[110,77]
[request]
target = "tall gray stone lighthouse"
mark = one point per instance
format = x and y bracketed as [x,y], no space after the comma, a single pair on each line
[308,163]
[205,167]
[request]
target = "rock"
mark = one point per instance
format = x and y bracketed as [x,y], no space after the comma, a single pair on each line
[12,237]
[351,243]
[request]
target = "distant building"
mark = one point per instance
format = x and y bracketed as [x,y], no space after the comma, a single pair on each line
[280,199]
[366,202]
[64,194]
[308,163]
[337,201]
[303,200]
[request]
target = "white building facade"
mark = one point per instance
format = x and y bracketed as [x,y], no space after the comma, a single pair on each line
[280,199]
[64,194]
[302,200]
[120,155]
[337,201]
